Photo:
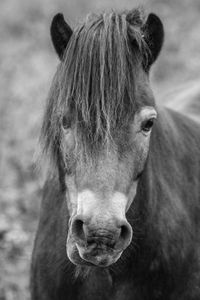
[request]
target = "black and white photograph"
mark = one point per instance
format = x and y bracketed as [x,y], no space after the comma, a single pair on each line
[100,150]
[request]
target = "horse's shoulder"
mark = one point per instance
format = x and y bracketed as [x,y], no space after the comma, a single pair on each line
[175,148]
[180,126]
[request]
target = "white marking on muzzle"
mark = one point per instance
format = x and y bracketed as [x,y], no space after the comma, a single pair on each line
[117,204]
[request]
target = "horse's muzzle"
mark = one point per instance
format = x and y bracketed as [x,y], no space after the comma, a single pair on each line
[100,243]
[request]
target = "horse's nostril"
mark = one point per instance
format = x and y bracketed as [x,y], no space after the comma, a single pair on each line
[125,235]
[77,229]
[124,232]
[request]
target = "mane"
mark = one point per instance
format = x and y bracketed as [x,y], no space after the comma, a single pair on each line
[94,86]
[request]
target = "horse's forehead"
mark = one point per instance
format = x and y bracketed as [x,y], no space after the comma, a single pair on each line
[106,171]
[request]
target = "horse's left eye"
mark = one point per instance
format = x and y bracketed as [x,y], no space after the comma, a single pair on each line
[147,125]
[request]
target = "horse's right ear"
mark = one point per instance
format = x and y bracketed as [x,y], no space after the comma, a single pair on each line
[60,34]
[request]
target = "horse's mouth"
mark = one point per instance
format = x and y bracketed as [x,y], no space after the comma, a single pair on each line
[99,256]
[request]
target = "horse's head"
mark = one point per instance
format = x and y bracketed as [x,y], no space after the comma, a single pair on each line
[98,125]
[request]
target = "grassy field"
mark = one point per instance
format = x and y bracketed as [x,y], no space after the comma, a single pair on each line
[27,64]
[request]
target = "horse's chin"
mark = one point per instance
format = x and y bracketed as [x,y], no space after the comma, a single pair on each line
[79,255]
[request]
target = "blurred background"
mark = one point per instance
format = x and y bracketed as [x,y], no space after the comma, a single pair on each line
[27,65]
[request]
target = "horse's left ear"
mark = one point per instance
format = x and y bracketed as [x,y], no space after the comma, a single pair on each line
[154,35]
[60,34]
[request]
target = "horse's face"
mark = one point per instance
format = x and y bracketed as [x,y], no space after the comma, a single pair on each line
[99,194]
[100,190]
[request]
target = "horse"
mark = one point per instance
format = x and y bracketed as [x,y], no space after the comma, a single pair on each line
[120,210]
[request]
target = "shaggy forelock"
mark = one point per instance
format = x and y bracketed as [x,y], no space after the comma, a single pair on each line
[94,87]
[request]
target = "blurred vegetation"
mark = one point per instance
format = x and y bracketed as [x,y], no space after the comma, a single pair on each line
[27,64]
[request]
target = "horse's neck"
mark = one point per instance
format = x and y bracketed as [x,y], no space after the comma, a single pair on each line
[97,285]
[101,285]
[168,193]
